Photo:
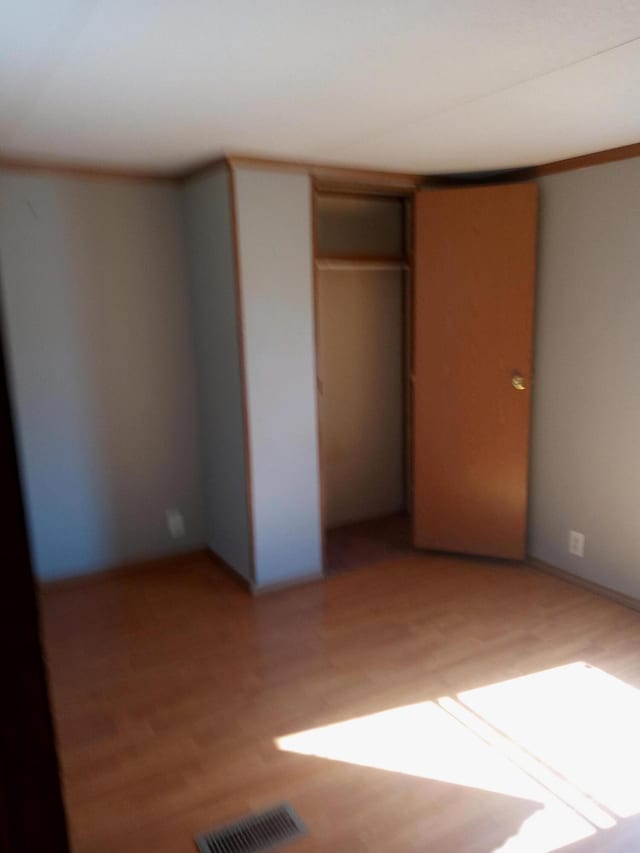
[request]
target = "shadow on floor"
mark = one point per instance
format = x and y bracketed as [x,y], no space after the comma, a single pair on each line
[368,542]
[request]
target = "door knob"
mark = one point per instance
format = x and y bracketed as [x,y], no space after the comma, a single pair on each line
[518,382]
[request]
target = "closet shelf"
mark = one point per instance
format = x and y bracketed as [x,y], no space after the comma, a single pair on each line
[361,262]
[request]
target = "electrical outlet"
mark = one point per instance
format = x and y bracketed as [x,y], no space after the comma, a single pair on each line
[576,543]
[175,523]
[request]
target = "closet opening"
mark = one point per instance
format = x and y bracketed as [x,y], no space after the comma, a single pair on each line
[362,246]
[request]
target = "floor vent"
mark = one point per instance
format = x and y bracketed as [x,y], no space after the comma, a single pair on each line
[254,833]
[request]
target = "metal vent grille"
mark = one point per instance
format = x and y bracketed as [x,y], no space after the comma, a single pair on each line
[259,832]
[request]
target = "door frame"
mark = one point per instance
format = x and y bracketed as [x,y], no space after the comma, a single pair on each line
[407,195]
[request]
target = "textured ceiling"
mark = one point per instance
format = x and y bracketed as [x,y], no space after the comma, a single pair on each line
[426,86]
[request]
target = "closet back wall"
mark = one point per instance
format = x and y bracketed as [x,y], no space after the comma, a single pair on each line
[101,362]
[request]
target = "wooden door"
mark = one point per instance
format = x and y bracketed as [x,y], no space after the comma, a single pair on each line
[473,322]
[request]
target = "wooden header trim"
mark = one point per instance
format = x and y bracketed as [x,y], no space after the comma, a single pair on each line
[610,155]
[328,174]
[358,189]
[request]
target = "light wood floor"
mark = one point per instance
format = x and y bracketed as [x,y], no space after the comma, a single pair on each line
[170,686]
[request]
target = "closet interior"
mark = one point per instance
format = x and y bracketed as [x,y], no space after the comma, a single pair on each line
[362,309]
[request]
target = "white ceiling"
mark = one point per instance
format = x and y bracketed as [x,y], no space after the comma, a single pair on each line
[417,85]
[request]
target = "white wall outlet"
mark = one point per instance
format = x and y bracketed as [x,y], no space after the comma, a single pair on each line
[175,523]
[576,543]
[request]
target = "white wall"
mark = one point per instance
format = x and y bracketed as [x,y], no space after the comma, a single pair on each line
[585,471]
[276,256]
[101,365]
[210,255]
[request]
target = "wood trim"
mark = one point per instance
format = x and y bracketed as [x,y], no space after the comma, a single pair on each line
[408,218]
[358,258]
[352,179]
[362,191]
[329,178]
[73,170]
[281,586]
[583,161]
[348,264]
[228,569]
[158,564]
[316,355]
[32,815]
[576,580]
[243,369]
[50,587]
[598,158]
[413,226]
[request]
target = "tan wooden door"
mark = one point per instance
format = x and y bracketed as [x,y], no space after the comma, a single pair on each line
[473,324]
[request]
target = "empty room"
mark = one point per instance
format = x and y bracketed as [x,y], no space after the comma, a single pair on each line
[320,426]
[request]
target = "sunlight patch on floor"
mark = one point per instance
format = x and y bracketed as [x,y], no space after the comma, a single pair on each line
[579,720]
[565,738]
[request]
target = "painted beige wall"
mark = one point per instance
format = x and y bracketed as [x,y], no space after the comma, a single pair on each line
[360,338]
[585,473]
[206,206]
[274,232]
[365,225]
[101,367]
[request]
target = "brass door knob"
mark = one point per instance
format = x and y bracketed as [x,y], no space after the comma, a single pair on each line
[518,382]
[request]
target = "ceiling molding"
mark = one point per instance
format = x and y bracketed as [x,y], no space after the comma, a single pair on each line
[82,170]
[609,155]
[327,173]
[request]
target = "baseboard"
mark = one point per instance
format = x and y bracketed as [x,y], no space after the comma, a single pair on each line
[172,561]
[592,586]
[124,569]
[257,589]
[229,570]
[300,580]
